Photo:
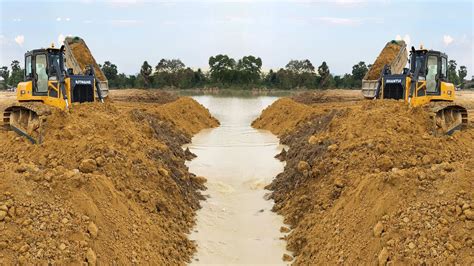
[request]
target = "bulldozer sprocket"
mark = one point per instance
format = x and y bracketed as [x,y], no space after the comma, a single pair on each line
[448,117]
[27,119]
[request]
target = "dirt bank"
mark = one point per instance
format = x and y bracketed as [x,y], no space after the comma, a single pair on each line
[108,185]
[366,183]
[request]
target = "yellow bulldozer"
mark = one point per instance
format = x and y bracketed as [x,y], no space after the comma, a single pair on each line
[425,83]
[47,84]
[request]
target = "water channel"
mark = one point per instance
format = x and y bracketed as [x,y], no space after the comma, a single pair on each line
[235,224]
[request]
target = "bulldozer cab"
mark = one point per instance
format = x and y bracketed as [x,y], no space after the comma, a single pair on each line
[41,66]
[430,67]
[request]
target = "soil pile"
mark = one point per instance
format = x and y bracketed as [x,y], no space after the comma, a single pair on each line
[369,184]
[388,54]
[84,56]
[145,96]
[108,185]
[276,117]
[312,97]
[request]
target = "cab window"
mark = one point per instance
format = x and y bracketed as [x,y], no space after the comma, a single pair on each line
[28,67]
[444,67]
[432,71]
[41,74]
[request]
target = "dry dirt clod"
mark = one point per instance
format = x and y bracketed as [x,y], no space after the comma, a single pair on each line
[378,229]
[144,196]
[383,256]
[469,214]
[3,214]
[199,179]
[333,147]
[339,182]
[88,166]
[93,229]
[303,166]
[91,257]
[287,257]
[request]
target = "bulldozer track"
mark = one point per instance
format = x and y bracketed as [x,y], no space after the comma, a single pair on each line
[448,117]
[27,119]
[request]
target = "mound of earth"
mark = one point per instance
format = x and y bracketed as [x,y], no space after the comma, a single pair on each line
[369,184]
[386,56]
[141,95]
[323,96]
[83,56]
[109,185]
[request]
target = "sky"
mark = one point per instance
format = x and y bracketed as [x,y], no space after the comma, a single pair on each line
[340,32]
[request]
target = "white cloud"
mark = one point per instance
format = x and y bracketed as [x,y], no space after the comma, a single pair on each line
[350,3]
[124,22]
[122,3]
[20,39]
[68,19]
[17,20]
[58,19]
[348,21]
[87,21]
[447,40]
[3,40]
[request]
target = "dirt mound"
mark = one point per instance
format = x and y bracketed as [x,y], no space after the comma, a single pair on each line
[312,97]
[108,185]
[369,184]
[386,56]
[274,117]
[146,96]
[84,56]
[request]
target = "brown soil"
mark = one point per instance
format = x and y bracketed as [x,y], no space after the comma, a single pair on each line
[386,56]
[312,97]
[142,95]
[108,185]
[367,183]
[84,57]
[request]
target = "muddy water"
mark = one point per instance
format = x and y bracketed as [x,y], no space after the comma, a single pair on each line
[235,224]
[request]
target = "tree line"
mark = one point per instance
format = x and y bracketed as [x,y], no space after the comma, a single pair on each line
[227,72]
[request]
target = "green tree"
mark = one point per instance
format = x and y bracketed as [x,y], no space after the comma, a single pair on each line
[300,66]
[145,75]
[4,73]
[452,74]
[221,68]
[270,79]
[249,69]
[359,70]
[16,74]
[110,70]
[462,73]
[324,73]
[170,65]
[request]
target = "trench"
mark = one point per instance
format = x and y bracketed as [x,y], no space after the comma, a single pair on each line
[235,224]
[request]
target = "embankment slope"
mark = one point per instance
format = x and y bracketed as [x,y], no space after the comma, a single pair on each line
[108,185]
[367,183]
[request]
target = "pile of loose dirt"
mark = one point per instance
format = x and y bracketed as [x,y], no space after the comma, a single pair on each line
[109,185]
[386,56]
[145,96]
[312,97]
[84,56]
[369,184]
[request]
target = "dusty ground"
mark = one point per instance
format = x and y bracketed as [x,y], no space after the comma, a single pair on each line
[108,185]
[366,183]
